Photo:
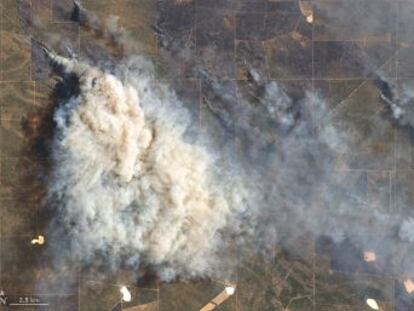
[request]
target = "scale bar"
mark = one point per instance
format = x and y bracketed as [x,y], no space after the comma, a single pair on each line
[28,304]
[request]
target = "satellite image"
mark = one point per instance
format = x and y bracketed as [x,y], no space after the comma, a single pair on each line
[198,155]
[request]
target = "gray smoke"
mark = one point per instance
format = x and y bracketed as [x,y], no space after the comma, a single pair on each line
[132,183]
[399,99]
[384,27]
[406,232]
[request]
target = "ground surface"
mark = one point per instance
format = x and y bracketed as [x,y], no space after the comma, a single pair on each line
[223,36]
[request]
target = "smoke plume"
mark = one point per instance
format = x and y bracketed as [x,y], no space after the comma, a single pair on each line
[399,99]
[131,181]
[128,183]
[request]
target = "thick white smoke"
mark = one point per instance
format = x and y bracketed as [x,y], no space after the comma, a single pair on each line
[129,182]
[401,104]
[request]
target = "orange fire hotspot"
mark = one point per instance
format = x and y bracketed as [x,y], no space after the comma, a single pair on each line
[370,256]
[40,240]
[409,286]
